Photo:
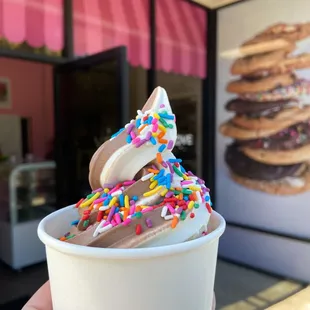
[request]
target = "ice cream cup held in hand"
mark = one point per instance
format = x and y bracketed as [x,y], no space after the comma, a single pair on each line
[177,277]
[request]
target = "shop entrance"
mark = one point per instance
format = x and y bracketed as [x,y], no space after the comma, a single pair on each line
[91,103]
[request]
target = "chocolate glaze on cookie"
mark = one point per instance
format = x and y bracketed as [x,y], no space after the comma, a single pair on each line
[246,167]
[254,109]
[291,138]
[260,84]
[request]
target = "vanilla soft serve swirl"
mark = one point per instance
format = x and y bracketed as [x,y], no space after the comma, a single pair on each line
[142,196]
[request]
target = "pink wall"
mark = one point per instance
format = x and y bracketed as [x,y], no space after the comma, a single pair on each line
[32,96]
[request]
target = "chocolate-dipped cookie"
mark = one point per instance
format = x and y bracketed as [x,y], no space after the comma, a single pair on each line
[273,179]
[246,167]
[290,146]
[280,119]
[254,85]
[257,108]
[290,138]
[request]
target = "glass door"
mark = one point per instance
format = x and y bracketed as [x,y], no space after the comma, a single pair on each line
[91,103]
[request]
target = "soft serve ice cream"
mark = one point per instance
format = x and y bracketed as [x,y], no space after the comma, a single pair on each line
[142,196]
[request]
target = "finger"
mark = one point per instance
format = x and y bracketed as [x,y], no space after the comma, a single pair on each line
[41,300]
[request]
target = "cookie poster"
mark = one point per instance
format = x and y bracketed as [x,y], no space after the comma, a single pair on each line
[263,115]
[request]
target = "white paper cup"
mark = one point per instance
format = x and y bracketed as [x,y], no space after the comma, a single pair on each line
[176,277]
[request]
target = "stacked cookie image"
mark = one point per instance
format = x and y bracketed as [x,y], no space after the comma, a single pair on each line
[271,123]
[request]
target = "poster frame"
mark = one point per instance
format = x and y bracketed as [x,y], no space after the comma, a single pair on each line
[209,170]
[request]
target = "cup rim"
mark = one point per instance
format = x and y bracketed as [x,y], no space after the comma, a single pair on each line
[135,253]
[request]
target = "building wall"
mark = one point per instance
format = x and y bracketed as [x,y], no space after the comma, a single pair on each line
[32,97]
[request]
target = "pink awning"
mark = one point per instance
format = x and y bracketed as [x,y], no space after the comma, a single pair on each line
[181,35]
[38,22]
[104,24]
[181,27]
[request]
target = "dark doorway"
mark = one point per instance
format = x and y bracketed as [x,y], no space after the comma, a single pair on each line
[91,103]
[185,111]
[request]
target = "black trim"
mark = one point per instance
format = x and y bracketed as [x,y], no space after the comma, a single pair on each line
[304,284]
[269,232]
[57,136]
[32,57]
[151,73]
[123,91]
[209,105]
[84,62]
[68,50]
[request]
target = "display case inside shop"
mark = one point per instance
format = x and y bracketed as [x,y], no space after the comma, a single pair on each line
[27,195]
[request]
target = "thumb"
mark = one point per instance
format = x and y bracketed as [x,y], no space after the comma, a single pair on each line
[41,300]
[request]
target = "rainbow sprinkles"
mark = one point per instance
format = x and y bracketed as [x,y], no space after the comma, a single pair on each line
[150,128]
[179,192]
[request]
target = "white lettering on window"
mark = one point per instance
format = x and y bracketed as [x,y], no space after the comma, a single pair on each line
[185,140]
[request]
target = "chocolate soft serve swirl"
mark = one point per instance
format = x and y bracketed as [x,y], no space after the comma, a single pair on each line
[142,196]
[110,153]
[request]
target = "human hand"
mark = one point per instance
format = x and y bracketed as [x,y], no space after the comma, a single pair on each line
[41,300]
